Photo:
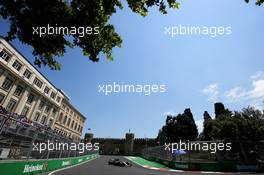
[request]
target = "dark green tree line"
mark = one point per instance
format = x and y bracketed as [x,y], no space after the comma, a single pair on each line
[180,127]
[246,125]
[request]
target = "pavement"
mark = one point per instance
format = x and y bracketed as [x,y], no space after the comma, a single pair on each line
[140,166]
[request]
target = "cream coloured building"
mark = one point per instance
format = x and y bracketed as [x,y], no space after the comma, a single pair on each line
[25,91]
[70,121]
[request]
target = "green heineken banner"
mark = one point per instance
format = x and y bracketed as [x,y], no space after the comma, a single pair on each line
[40,166]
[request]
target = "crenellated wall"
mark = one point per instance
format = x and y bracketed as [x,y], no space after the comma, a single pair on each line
[123,146]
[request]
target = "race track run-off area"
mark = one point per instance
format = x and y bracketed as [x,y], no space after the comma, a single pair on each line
[139,166]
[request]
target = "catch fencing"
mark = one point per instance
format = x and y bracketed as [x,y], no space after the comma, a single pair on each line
[245,152]
[17,138]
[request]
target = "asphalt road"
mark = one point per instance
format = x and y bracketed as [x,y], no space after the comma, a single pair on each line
[100,166]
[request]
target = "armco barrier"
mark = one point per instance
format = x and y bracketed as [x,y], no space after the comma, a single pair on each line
[209,166]
[40,166]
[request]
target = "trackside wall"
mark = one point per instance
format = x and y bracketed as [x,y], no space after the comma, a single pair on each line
[40,166]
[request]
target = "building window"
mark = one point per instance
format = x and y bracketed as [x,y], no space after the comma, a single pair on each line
[17,65]
[36,118]
[11,105]
[25,111]
[7,83]
[52,95]
[50,122]
[58,99]
[2,96]
[43,120]
[47,109]
[27,74]
[65,118]
[4,55]
[69,121]
[18,91]
[41,105]
[46,90]
[38,83]
[54,111]
[75,126]
[60,117]
[72,124]
[30,98]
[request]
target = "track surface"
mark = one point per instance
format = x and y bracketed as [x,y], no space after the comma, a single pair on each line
[100,166]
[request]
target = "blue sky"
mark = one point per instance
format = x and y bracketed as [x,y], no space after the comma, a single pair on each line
[197,70]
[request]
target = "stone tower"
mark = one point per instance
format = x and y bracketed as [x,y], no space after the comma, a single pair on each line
[88,137]
[129,143]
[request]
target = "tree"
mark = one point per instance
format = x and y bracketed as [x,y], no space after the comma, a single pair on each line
[220,109]
[207,125]
[26,15]
[186,127]
[207,116]
[23,15]
[258,2]
[180,127]
[246,125]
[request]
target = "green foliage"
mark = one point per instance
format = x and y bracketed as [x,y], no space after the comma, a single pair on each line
[180,127]
[258,2]
[245,125]
[23,15]
[141,6]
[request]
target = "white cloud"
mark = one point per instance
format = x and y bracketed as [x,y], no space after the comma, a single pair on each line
[235,94]
[253,96]
[258,75]
[212,92]
[258,89]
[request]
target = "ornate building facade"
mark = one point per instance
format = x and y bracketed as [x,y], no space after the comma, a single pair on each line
[26,91]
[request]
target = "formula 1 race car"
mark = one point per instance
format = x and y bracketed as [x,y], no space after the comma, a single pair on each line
[118,162]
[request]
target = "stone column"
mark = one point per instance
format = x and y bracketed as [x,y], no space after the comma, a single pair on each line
[22,100]
[3,77]
[10,94]
[53,116]
[11,61]
[33,107]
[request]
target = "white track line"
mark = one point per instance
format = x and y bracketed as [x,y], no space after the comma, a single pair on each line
[131,159]
[71,166]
